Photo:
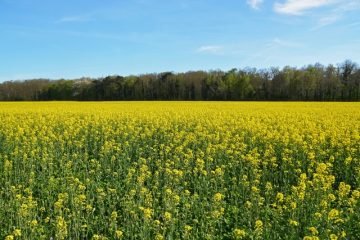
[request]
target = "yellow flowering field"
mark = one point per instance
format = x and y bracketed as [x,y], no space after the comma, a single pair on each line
[179,170]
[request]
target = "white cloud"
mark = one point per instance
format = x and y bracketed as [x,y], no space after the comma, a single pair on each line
[213,49]
[298,7]
[255,4]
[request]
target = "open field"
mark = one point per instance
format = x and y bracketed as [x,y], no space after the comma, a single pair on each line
[179,170]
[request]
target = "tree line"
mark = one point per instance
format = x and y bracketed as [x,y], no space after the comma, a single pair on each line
[315,82]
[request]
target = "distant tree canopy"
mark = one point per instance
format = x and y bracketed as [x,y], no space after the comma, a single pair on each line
[311,83]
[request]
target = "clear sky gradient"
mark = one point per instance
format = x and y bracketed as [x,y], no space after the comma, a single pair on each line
[70,39]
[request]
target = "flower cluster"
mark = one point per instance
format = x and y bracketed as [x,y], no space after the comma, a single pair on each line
[179,170]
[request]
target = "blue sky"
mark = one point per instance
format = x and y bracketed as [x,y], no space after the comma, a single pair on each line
[70,39]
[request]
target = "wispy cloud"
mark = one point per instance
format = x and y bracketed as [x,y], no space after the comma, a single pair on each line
[335,10]
[213,49]
[348,5]
[79,18]
[255,4]
[327,20]
[298,7]
[337,13]
[272,52]
[354,24]
[284,43]
[237,49]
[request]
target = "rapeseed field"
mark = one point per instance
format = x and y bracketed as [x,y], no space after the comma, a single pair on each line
[179,170]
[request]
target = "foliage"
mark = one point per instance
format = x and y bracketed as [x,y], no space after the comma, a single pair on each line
[310,83]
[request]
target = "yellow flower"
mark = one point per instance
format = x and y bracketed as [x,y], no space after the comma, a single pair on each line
[331,197]
[268,186]
[187,228]
[355,194]
[280,197]
[333,237]
[9,237]
[176,199]
[118,234]
[333,214]
[61,228]
[168,191]
[24,210]
[157,223]
[218,197]
[239,233]
[114,216]
[248,204]
[33,223]
[173,158]
[293,223]
[303,177]
[159,237]
[259,225]
[216,213]
[167,216]
[255,189]
[17,232]
[321,169]
[96,237]
[311,238]
[313,231]
[7,165]
[148,212]
[89,208]
[219,171]
[344,189]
